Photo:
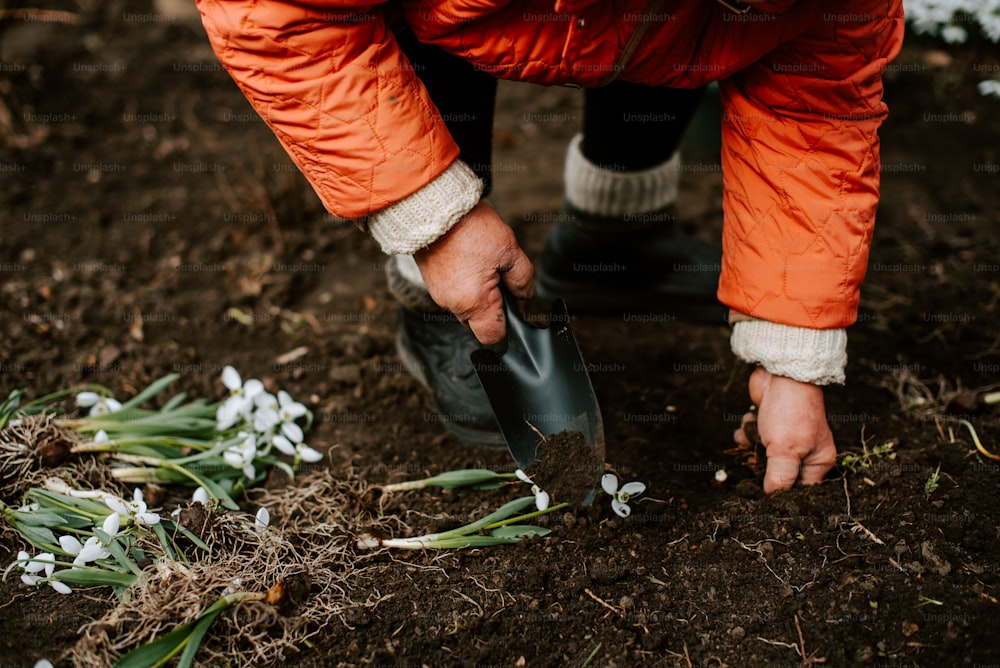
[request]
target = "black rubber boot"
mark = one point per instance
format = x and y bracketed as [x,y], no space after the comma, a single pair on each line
[435,348]
[643,266]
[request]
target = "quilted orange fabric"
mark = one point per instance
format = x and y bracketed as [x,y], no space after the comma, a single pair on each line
[801,91]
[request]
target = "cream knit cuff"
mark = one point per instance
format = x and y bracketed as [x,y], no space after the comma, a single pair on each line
[816,356]
[602,192]
[416,221]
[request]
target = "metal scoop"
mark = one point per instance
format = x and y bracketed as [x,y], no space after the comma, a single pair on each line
[539,385]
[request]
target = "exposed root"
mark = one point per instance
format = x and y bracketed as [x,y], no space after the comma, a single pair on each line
[305,561]
[35,447]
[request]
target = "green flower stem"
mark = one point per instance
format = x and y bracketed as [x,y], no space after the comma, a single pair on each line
[451,479]
[156,424]
[456,538]
[137,475]
[158,463]
[521,518]
[49,398]
[120,443]
[52,500]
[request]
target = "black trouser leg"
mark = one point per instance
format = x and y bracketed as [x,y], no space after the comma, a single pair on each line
[465,97]
[631,127]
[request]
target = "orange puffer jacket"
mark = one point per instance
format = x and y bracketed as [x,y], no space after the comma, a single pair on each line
[801,91]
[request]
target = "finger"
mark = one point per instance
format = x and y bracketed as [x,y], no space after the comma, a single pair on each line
[489,324]
[758,384]
[782,472]
[817,464]
[740,438]
[519,277]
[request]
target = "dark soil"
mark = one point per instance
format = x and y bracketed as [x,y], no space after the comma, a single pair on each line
[568,467]
[151,224]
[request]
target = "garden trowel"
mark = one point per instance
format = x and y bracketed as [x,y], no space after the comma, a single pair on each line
[539,385]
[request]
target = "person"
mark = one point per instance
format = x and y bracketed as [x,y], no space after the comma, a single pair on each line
[801,93]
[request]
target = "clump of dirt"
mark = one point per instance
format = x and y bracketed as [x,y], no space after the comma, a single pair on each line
[568,468]
[194,518]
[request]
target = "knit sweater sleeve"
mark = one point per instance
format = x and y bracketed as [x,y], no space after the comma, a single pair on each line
[416,221]
[817,356]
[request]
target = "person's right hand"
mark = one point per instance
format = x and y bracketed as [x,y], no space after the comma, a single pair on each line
[791,423]
[463,269]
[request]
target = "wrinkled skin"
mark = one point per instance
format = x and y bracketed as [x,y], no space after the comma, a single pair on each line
[791,423]
[463,269]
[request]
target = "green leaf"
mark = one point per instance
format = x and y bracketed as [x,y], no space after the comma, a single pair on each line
[461,478]
[37,518]
[154,389]
[519,531]
[40,537]
[9,407]
[72,504]
[164,541]
[458,542]
[117,551]
[487,486]
[187,534]
[157,652]
[94,577]
[505,511]
[194,640]
[174,403]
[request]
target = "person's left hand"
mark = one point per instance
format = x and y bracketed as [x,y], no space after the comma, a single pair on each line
[791,423]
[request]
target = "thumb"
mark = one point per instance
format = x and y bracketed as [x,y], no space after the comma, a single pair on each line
[782,472]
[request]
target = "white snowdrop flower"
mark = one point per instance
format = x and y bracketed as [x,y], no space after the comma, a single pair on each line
[241,456]
[289,411]
[241,398]
[299,450]
[721,475]
[541,497]
[32,566]
[43,663]
[265,415]
[29,568]
[99,404]
[134,510]
[94,549]
[620,497]
[70,545]
[307,454]
[200,496]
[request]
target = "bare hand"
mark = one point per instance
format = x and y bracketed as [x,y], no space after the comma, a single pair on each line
[463,270]
[791,422]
